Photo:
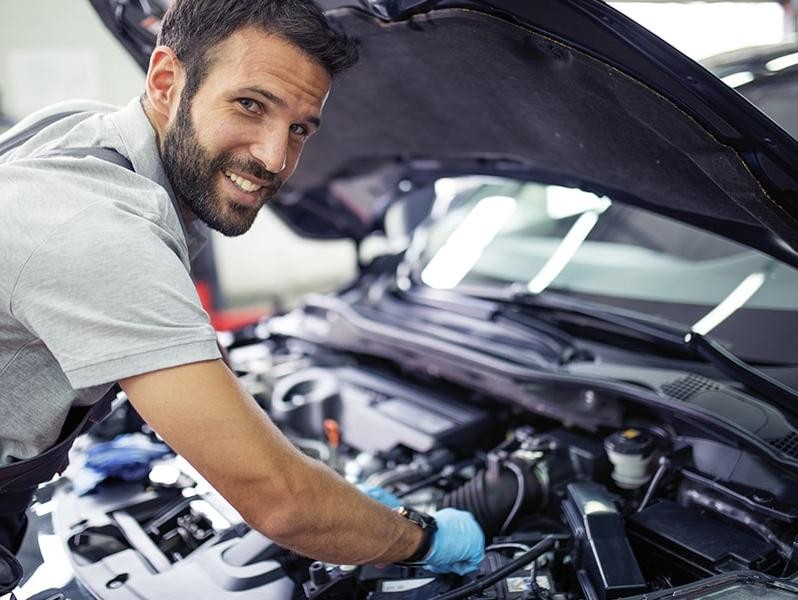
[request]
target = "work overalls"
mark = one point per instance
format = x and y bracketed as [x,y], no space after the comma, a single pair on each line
[18,481]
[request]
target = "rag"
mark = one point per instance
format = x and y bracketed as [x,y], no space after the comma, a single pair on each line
[128,457]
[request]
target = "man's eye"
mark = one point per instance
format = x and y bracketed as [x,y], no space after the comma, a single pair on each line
[300,130]
[249,105]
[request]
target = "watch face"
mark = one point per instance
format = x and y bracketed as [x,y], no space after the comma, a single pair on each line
[421,519]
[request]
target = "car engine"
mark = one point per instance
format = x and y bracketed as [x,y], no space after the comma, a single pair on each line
[569,510]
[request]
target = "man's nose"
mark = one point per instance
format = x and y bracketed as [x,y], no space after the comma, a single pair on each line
[272,151]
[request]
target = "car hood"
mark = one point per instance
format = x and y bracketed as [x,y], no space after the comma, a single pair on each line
[570,92]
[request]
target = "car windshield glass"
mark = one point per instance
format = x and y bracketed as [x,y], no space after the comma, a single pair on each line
[540,237]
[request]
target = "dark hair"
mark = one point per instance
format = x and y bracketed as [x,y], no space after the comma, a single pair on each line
[193,27]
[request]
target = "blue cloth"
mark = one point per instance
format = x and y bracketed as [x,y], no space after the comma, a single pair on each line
[459,544]
[128,457]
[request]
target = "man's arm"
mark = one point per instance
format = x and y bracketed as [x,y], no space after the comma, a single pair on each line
[203,413]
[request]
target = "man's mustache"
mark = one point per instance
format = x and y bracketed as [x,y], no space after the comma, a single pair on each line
[254,168]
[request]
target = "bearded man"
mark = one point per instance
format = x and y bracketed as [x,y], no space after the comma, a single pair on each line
[98,208]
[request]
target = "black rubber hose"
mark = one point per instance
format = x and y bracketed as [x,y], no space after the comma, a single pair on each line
[471,496]
[491,495]
[488,580]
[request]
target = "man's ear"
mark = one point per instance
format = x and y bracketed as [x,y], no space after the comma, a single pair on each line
[165,81]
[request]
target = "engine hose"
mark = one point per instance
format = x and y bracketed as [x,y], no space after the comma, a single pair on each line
[441,475]
[498,493]
[390,477]
[489,579]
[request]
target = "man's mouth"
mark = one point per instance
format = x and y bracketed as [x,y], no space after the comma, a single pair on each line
[243,183]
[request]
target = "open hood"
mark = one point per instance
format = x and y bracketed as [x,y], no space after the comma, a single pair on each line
[569,92]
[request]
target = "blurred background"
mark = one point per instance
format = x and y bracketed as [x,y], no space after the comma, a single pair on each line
[53,50]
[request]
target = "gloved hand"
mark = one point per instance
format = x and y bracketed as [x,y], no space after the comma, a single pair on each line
[459,544]
[381,495]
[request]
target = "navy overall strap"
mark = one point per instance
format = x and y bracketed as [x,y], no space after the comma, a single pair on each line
[19,480]
[19,138]
[23,136]
[10,572]
[107,154]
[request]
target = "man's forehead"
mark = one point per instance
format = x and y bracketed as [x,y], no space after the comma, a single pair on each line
[259,56]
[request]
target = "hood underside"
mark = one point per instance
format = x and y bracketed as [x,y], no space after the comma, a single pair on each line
[484,88]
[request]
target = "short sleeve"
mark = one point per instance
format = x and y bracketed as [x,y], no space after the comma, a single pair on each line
[110,296]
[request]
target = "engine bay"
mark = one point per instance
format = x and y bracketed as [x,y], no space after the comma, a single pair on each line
[568,511]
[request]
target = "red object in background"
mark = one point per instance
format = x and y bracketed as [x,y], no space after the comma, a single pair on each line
[227,320]
[333,432]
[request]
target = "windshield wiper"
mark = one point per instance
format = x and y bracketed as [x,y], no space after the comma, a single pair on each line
[548,340]
[690,343]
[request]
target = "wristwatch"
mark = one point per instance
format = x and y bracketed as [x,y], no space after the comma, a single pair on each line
[428,529]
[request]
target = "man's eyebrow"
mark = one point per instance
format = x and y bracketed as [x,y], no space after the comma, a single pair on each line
[275,99]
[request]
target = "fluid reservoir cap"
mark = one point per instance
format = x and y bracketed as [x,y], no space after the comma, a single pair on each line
[630,451]
[630,441]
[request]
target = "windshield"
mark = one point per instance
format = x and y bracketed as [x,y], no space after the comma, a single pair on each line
[548,238]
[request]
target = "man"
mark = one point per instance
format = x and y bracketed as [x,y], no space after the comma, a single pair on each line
[95,287]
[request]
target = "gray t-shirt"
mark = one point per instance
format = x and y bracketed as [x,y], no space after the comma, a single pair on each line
[94,272]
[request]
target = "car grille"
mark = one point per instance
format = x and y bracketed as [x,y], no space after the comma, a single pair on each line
[685,388]
[787,444]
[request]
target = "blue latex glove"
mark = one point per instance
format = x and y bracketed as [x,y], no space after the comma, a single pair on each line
[381,495]
[459,544]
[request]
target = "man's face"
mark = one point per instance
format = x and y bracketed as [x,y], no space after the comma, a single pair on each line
[229,148]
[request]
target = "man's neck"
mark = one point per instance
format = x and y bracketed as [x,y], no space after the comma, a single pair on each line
[149,112]
[185,212]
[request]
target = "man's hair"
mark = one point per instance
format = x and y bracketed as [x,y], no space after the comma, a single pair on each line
[191,28]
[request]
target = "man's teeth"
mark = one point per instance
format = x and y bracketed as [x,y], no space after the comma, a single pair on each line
[241,183]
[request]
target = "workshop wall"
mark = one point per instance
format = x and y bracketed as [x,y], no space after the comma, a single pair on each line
[52,50]
[701,29]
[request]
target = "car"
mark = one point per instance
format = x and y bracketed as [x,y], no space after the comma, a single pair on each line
[583,329]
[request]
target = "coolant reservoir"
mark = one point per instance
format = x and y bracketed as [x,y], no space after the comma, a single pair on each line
[630,451]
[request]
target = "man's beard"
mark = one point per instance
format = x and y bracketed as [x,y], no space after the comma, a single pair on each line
[194,175]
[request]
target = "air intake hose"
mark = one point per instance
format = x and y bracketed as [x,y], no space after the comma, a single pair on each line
[497,494]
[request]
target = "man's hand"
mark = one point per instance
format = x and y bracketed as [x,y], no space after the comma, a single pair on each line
[459,543]
[381,495]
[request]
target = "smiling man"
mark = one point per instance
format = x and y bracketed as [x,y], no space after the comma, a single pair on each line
[259,103]
[98,211]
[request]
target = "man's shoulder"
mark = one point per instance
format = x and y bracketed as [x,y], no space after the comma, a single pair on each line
[63,185]
[62,178]
[68,108]
[47,127]
[56,202]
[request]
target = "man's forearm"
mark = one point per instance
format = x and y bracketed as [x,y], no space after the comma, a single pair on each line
[201,410]
[331,520]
